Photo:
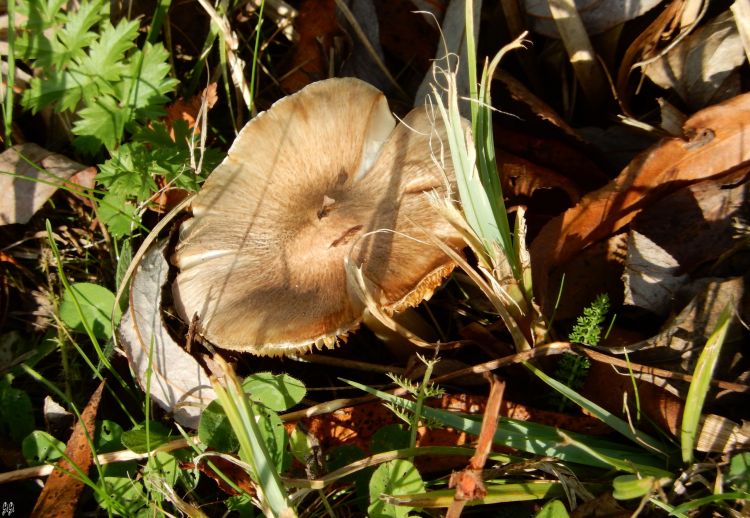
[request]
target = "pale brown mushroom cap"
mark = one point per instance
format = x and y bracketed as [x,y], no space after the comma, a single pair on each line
[262,261]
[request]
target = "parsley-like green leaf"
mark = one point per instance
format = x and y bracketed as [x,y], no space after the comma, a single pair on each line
[145,83]
[103,121]
[128,172]
[75,35]
[118,214]
[106,55]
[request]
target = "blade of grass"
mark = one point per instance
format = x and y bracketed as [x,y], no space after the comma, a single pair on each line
[253,450]
[496,494]
[704,369]
[11,76]
[610,419]
[527,436]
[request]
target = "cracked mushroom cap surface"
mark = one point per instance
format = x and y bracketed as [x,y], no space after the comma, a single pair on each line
[325,174]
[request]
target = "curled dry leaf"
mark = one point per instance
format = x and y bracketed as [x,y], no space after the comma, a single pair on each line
[178,383]
[597,15]
[61,492]
[700,67]
[716,141]
[29,175]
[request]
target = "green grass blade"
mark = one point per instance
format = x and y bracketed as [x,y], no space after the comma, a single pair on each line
[11,77]
[253,450]
[496,494]
[610,419]
[702,375]
[532,437]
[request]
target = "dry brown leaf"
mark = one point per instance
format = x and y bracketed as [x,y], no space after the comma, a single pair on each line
[612,390]
[317,29]
[29,175]
[59,497]
[701,68]
[717,140]
[522,177]
[178,383]
[686,230]
[597,15]
[646,46]
[188,110]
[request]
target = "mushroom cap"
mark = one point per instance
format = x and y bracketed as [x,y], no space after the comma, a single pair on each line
[323,175]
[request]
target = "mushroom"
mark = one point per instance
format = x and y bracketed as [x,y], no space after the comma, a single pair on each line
[324,175]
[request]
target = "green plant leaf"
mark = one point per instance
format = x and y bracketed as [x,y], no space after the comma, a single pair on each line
[95,303]
[389,437]
[553,509]
[64,89]
[704,370]
[16,415]
[535,438]
[103,122]
[739,471]
[108,436]
[127,496]
[139,440]
[105,58]
[40,448]
[275,391]
[215,431]
[128,172]
[397,477]
[75,34]
[146,83]
[118,214]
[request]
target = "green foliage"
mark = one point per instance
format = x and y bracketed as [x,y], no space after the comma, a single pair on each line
[16,417]
[142,438]
[215,431]
[93,69]
[627,487]
[127,496]
[40,448]
[553,509]
[86,304]
[390,437]
[420,391]
[738,475]
[277,392]
[397,477]
[108,436]
[699,386]
[588,327]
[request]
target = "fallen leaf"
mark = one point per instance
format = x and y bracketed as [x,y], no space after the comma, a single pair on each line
[597,15]
[522,178]
[700,67]
[680,340]
[61,492]
[29,175]
[177,382]
[317,29]
[687,230]
[614,391]
[188,110]
[717,140]
[647,46]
